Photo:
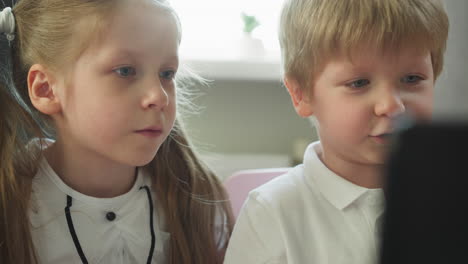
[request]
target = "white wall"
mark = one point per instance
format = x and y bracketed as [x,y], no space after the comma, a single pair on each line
[247,117]
[247,125]
[452,88]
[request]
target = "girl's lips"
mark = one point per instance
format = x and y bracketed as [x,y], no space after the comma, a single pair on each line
[149,133]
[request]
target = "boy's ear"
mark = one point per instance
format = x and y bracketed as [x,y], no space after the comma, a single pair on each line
[300,99]
[41,90]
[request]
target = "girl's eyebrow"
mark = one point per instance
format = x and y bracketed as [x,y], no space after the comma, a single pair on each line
[116,54]
[174,59]
[125,51]
[122,53]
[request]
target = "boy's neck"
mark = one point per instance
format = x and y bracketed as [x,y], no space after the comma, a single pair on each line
[88,174]
[364,175]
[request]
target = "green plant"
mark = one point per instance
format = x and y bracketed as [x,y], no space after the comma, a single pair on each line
[250,22]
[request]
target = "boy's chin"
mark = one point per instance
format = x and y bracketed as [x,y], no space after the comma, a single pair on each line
[378,157]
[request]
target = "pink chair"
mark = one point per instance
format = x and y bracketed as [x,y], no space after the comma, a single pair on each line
[239,184]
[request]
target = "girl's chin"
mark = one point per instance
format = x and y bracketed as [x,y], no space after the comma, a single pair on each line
[143,161]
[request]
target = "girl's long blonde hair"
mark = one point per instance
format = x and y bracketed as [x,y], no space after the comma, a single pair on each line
[50,32]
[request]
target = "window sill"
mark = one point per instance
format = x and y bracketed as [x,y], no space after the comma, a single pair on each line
[236,69]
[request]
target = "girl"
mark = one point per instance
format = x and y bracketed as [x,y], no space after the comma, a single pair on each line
[98,77]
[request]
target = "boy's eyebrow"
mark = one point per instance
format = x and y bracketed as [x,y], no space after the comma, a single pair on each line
[349,66]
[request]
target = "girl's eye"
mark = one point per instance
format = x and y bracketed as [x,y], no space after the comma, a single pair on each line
[358,83]
[126,71]
[168,75]
[411,79]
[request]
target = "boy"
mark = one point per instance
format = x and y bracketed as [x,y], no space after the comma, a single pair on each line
[355,66]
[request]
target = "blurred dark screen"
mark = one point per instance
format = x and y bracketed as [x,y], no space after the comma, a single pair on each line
[426,219]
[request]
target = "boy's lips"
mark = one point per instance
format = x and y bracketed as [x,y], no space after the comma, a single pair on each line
[383,135]
[382,138]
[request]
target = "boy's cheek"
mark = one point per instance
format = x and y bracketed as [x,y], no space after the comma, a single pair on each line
[419,104]
[421,109]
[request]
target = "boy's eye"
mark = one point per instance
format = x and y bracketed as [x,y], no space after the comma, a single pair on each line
[168,75]
[126,71]
[358,83]
[411,79]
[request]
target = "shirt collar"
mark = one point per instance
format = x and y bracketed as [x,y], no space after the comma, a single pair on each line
[61,189]
[49,195]
[338,191]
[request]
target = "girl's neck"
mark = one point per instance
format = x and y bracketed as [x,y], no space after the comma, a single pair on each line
[88,173]
[364,175]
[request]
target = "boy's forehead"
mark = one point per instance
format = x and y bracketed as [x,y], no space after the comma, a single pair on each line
[379,52]
[369,59]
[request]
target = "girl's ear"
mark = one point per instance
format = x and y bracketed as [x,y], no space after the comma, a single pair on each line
[41,92]
[299,96]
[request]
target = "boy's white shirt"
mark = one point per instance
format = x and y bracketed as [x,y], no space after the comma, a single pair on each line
[309,215]
[126,239]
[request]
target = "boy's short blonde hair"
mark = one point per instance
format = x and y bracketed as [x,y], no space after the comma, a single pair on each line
[313,30]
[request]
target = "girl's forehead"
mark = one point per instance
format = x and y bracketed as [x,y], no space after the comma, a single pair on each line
[138,27]
[139,14]
[95,27]
[145,11]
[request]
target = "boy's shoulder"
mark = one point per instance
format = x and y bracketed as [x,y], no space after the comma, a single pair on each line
[290,188]
[283,183]
[294,184]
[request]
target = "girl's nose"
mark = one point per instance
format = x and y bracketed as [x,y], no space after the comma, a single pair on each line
[155,97]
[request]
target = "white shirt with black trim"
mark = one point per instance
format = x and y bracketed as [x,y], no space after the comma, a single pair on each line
[309,215]
[124,239]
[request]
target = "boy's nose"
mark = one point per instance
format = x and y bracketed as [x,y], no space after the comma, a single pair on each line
[155,96]
[390,104]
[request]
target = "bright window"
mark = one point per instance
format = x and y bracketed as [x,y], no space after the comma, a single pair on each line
[213,29]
